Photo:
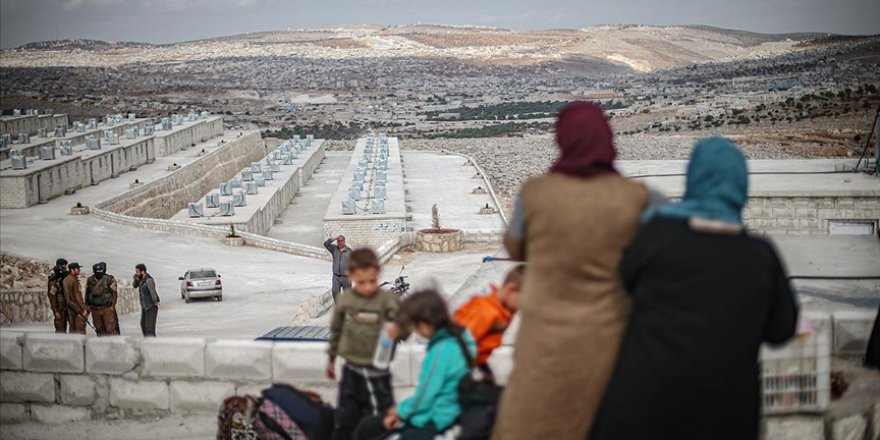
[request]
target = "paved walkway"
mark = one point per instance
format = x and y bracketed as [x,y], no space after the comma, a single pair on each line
[446,180]
[303,220]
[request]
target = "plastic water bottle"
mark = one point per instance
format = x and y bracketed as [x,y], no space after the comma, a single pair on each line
[384,348]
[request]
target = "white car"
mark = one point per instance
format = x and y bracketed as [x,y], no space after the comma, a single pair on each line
[201,283]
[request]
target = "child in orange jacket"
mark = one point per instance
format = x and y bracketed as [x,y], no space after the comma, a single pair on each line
[487,316]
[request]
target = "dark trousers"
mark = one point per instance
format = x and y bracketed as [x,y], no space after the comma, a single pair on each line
[60,322]
[372,428]
[339,282]
[106,321]
[148,321]
[360,397]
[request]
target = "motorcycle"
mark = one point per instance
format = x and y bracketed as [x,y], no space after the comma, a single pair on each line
[399,287]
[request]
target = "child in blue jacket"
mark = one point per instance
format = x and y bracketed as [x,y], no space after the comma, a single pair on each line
[434,406]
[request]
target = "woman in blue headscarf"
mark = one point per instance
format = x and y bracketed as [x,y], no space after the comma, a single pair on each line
[705,295]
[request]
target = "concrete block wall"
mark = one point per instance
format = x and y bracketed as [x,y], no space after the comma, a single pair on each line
[47,377]
[162,198]
[31,124]
[44,375]
[68,174]
[116,161]
[807,215]
[366,230]
[18,306]
[170,142]
[29,150]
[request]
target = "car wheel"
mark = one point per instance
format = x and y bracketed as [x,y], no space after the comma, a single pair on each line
[182,295]
[220,298]
[187,300]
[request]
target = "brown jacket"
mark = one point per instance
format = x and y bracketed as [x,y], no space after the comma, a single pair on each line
[57,300]
[73,291]
[573,305]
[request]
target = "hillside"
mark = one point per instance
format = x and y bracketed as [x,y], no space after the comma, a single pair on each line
[640,48]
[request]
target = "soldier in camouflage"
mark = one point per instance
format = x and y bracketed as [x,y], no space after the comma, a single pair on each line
[101,296]
[55,291]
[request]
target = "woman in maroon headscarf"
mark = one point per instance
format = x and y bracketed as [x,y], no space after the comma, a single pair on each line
[571,226]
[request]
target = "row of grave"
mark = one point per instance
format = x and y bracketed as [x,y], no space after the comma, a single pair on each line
[250,180]
[92,142]
[369,181]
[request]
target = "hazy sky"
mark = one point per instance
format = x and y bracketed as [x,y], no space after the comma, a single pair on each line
[163,21]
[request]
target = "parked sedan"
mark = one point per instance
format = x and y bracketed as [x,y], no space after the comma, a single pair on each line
[201,283]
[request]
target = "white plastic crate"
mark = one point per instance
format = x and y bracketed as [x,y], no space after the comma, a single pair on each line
[796,376]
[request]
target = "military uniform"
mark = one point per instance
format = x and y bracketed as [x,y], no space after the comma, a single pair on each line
[101,296]
[73,293]
[57,300]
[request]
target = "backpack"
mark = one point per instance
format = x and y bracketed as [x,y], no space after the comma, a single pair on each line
[105,298]
[286,413]
[236,419]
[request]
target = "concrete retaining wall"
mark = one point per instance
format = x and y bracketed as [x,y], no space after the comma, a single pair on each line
[24,188]
[19,306]
[31,124]
[807,215]
[170,142]
[162,198]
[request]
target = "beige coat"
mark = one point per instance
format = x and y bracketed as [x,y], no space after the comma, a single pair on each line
[573,306]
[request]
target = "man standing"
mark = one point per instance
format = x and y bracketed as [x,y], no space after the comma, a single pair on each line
[340,254]
[55,291]
[101,296]
[77,309]
[149,299]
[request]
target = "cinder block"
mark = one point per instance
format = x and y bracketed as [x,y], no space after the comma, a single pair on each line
[247,360]
[58,414]
[501,363]
[13,412]
[252,389]
[794,428]
[783,213]
[195,397]
[10,350]
[138,395]
[57,353]
[26,387]
[401,366]
[77,390]
[853,427]
[299,361]
[110,355]
[852,328]
[178,357]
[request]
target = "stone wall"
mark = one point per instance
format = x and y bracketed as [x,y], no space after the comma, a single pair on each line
[128,375]
[439,242]
[808,215]
[162,198]
[52,378]
[19,306]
